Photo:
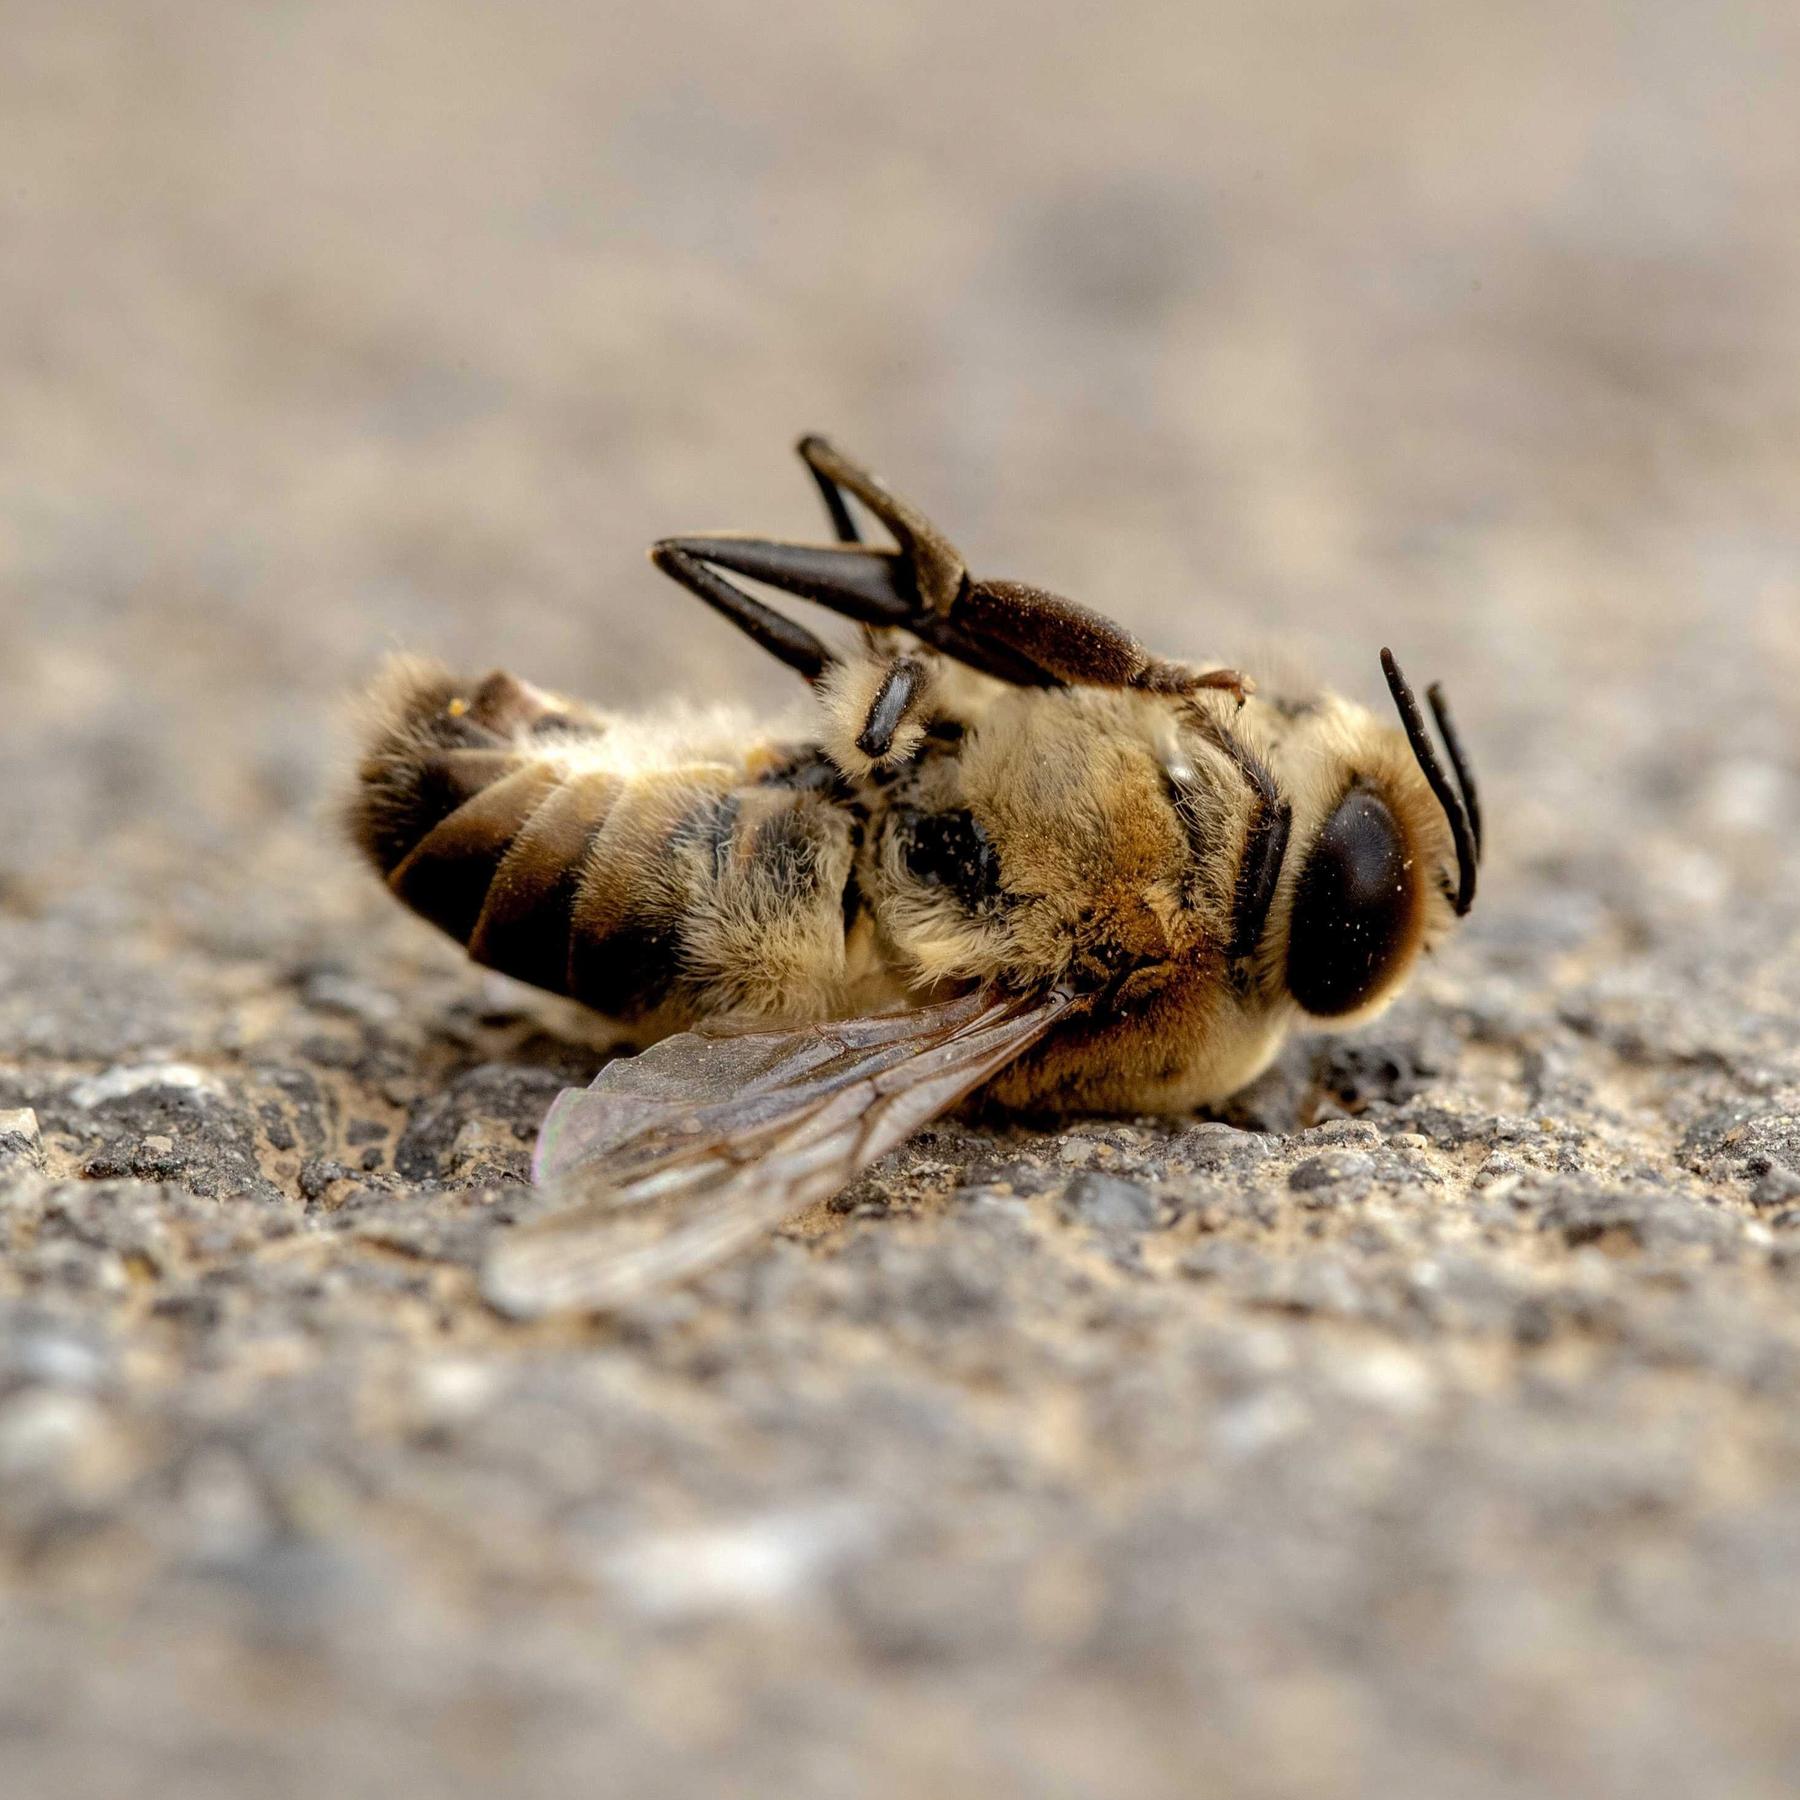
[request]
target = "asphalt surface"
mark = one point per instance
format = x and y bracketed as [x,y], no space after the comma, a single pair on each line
[1423,1424]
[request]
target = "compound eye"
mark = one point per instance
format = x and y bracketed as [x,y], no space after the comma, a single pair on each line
[1354,911]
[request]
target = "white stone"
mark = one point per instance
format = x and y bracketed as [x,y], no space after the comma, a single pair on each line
[117,1082]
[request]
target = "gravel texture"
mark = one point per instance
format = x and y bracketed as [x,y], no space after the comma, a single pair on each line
[1425,1424]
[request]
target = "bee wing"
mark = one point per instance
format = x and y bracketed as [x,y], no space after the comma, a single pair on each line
[674,1159]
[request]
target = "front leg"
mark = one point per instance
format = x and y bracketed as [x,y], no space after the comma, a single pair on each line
[878,708]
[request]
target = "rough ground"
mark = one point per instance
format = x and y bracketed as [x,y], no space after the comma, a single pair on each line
[1427,1425]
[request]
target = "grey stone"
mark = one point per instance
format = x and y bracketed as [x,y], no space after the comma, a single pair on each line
[21,1143]
[1108,1204]
[1776,1186]
[1644,1220]
[497,1106]
[1334,1167]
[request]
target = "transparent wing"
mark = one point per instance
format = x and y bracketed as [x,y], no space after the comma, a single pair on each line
[674,1159]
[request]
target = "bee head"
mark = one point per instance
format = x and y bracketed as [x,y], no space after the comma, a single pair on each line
[1384,851]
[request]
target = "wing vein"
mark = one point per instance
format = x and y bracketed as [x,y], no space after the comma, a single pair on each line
[679,1157]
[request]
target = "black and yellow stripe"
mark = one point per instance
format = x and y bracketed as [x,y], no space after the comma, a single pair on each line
[591,884]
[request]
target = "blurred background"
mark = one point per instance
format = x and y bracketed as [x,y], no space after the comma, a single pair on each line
[326,328]
[1264,325]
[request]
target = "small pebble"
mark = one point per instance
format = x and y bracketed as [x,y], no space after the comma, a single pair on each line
[1330,1169]
[1107,1203]
[1777,1186]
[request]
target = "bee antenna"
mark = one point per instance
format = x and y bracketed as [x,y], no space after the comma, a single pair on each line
[1465,826]
[1459,762]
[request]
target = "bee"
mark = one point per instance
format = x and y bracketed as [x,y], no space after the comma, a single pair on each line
[1004,849]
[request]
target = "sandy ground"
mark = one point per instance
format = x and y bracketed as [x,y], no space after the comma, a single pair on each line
[1426,1425]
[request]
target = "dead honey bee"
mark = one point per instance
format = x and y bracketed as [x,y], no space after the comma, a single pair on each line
[1006,849]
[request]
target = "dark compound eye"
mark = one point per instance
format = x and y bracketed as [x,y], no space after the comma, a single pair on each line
[950,850]
[1353,914]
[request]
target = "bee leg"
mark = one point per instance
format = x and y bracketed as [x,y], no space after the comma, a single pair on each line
[875,711]
[1072,643]
[938,570]
[781,637]
[843,527]
[874,587]
[1007,628]
[904,683]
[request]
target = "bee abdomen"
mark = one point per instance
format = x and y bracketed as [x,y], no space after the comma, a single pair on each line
[697,887]
[632,893]
[447,876]
[525,922]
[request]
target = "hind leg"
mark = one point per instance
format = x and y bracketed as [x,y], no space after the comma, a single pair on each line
[1009,629]
[683,561]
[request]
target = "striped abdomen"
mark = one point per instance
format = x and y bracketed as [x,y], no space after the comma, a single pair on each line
[585,856]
